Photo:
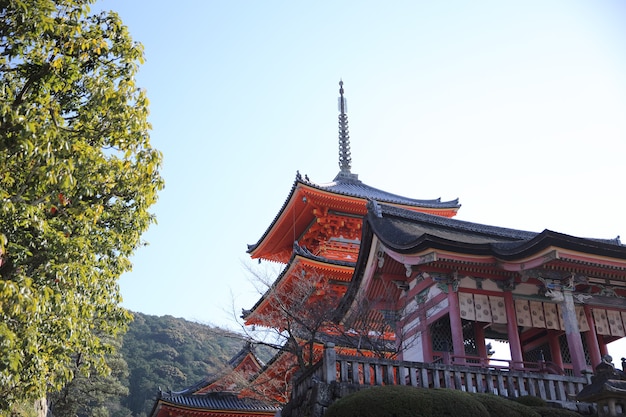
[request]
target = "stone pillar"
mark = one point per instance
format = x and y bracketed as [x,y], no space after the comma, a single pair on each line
[572,332]
[511,323]
[456,327]
[330,363]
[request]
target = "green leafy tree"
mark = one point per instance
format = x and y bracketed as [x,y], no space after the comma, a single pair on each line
[77,178]
[90,393]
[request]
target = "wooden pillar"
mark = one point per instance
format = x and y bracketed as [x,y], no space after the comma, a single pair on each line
[511,323]
[479,334]
[592,339]
[572,332]
[604,349]
[555,348]
[456,327]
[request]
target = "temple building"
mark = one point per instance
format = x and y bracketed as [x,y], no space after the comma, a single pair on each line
[558,300]
[217,396]
[378,275]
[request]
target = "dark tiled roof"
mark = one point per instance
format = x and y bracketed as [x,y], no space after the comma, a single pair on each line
[353,187]
[407,231]
[218,401]
[403,229]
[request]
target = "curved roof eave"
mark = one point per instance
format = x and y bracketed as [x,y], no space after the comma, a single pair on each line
[479,239]
[301,252]
[222,401]
[354,188]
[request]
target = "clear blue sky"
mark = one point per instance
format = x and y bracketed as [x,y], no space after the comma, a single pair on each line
[517,108]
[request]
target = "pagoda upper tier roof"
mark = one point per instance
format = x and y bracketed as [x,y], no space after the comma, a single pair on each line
[349,185]
[405,231]
[345,194]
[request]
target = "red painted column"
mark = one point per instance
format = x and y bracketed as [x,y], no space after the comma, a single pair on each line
[555,348]
[572,333]
[511,324]
[604,350]
[456,327]
[592,339]
[479,334]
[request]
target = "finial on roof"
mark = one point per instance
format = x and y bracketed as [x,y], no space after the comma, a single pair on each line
[345,160]
[344,138]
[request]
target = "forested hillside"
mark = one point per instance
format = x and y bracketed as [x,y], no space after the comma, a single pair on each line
[170,353]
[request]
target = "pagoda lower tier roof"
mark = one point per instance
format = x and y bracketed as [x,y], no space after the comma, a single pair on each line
[301,256]
[405,231]
[222,401]
[345,194]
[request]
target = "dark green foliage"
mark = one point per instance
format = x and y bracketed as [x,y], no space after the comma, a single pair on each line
[500,406]
[531,401]
[555,412]
[402,401]
[171,354]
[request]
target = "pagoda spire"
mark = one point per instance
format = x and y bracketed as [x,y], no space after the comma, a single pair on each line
[345,160]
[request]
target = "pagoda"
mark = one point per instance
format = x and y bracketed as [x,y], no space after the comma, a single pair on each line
[316,235]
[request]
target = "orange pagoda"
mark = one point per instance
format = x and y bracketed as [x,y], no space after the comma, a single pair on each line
[317,236]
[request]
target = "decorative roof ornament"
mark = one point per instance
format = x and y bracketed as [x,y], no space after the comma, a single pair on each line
[345,160]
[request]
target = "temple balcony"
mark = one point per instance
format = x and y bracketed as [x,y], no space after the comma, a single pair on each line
[348,374]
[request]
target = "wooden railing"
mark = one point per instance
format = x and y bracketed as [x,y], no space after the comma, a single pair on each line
[496,380]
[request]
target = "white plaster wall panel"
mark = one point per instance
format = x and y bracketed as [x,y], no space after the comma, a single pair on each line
[490,285]
[583,325]
[552,316]
[433,292]
[536,314]
[522,311]
[526,289]
[615,323]
[412,349]
[498,309]
[410,308]
[482,307]
[602,324]
[466,306]
[437,308]
[411,325]
[467,282]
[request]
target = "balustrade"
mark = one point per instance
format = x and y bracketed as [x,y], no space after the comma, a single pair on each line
[483,378]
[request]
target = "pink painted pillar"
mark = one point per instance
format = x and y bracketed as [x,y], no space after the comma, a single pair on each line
[592,339]
[427,341]
[572,333]
[511,323]
[456,328]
